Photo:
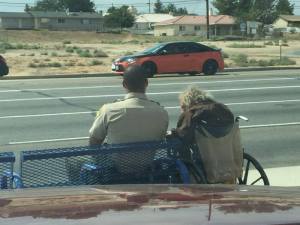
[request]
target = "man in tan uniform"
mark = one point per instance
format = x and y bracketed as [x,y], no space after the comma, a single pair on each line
[133,119]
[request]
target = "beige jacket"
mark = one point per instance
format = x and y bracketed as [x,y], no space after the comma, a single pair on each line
[212,128]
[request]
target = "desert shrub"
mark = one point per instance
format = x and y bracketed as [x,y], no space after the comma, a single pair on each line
[6,46]
[32,65]
[80,64]
[44,53]
[285,61]
[69,49]
[69,64]
[54,54]
[47,60]
[269,43]
[2,50]
[225,55]
[129,53]
[132,42]
[241,60]
[95,63]
[99,53]
[55,64]
[67,42]
[248,45]
[42,65]
[31,54]
[85,54]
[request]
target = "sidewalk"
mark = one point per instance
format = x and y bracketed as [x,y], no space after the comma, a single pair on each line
[81,75]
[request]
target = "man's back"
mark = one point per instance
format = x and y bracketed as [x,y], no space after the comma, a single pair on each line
[133,119]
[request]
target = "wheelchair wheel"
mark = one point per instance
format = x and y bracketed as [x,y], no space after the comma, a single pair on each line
[250,162]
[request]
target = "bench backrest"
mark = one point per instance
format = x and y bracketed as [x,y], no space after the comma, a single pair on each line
[75,166]
[7,160]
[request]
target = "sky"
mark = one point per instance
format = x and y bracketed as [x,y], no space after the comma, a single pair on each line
[193,6]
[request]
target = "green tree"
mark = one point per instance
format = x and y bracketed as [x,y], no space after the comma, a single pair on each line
[181,11]
[226,7]
[46,5]
[284,7]
[159,7]
[119,17]
[79,5]
[171,8]
[62,5]
[264,11]
[27,8]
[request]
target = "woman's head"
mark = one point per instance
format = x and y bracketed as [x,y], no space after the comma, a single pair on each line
[193,96]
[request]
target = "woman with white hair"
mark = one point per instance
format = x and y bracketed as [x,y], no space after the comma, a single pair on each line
[211,127]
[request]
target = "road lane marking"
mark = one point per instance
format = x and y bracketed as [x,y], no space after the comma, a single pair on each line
[167,107]
[271,125]
[84,138]
[47,140]
[151,93]
[152,84]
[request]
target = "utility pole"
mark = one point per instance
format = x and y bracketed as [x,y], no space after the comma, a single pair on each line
[149,4]
[207,19]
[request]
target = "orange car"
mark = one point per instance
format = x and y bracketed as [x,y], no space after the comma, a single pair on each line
[174,57]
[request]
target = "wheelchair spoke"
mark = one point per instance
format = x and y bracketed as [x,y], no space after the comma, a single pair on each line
[246,172]
[254,182]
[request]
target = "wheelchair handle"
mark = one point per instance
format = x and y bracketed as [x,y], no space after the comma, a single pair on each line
[238,118]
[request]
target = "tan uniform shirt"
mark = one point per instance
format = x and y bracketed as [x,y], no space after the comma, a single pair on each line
[133,119]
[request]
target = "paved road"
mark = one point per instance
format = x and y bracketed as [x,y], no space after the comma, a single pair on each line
[49,113]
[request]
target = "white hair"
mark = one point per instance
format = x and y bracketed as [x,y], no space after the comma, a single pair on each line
[193,96]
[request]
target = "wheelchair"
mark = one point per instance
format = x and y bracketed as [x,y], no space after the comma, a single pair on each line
[253,173]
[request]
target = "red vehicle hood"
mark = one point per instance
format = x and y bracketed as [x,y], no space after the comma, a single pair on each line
[151,204]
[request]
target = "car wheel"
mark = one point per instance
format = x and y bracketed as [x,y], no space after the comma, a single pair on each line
[4,70]
[210,67]
[150,68]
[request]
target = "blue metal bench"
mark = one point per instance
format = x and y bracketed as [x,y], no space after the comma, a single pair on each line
[7,160]
[144,162]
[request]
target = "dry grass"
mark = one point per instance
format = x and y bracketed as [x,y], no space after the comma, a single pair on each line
[53,47]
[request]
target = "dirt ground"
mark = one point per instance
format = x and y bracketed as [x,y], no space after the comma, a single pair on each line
[46,52]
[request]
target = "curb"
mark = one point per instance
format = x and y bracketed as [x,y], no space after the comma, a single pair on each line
[82,75]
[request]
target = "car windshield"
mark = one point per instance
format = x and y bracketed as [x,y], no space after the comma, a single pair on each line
[225,83]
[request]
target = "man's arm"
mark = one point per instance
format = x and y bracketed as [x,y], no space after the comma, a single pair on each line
[98,130]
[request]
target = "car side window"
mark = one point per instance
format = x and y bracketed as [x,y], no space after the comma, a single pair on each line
[192,48]
[169,49]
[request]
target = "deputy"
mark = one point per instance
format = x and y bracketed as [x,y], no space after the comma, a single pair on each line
[132,119]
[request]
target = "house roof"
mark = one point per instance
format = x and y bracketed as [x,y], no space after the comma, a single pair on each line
[15,15]
[152,18]
[196,20]
[41,14]
[290,18]
[47,14]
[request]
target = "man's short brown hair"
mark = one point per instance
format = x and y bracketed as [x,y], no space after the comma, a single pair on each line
[135,78]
